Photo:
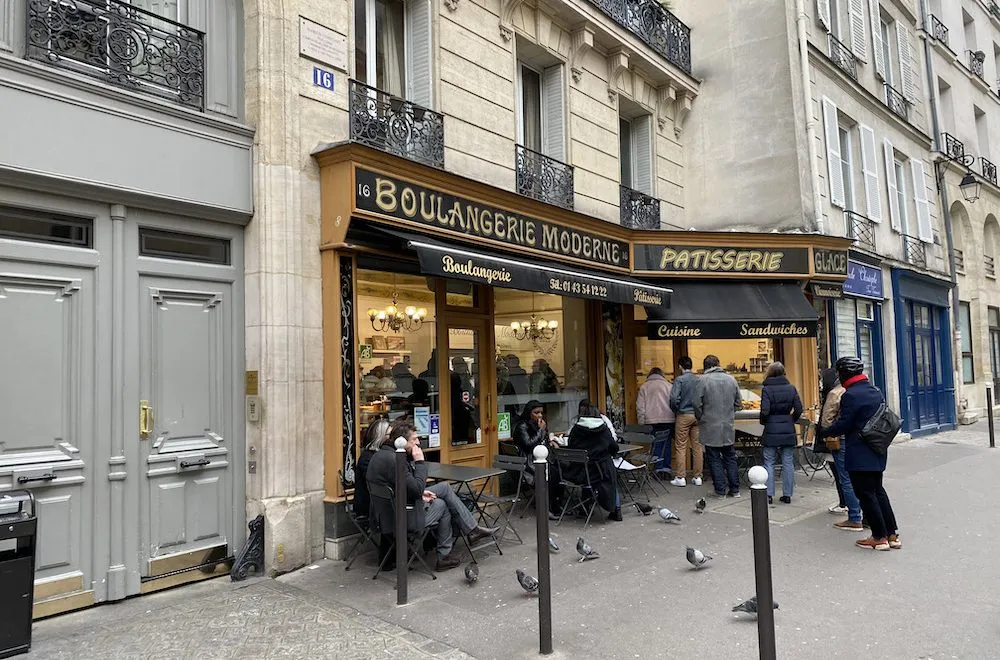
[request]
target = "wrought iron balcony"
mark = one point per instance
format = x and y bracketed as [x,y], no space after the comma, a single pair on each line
[989,170]
[953,147]
[655,25]
[976,65]
[939,30]
[639,210]
[120,44]
[959,261]
[396,126]
[896,101]
[861,229]
[989,266]
[914,251]
[843,57]
[543,178]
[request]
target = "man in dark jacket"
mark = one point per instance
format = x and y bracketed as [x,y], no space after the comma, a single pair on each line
[715,404]
[860,402]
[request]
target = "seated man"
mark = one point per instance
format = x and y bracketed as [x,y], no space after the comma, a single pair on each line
[439,502]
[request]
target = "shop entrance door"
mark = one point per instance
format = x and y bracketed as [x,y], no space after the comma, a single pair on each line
[926,385]
[469,392]
[994,320]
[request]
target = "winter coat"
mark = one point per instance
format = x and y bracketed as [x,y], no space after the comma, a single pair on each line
[780,408]
[682,393]
[653,403]
[857,405]
[362,501]
[592,434]
[527,435]
[830,412]
[382,471]
[716,401]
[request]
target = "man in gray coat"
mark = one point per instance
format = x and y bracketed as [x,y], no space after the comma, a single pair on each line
[715,404]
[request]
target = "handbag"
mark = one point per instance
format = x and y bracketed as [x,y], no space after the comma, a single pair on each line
[879,431]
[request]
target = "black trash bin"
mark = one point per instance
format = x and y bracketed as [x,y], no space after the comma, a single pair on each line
[18,531]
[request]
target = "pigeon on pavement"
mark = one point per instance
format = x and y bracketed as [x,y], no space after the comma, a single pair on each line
[750,606]
[700,505]
[668,515]
[472,572]
[553,546]
[528,583]
[697,558]
[586,552]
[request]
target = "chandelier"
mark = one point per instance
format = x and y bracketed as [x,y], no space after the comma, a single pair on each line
[391,319]
[536,330]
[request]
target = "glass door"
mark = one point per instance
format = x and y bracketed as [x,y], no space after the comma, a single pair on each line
[469,391]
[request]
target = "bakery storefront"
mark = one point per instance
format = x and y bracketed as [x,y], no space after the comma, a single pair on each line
[456,303]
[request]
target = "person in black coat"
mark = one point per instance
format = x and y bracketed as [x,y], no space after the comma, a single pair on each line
[780,408]
[592,433]
[531,429]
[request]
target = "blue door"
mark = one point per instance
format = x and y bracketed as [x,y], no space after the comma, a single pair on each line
[926,387]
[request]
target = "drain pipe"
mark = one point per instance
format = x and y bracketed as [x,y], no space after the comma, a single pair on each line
[800,24]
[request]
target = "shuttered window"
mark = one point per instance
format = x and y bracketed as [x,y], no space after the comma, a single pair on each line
[636,153]
[925,231]
[889,155]
[419,83]
[907,75]
[847,328]
[878,38]
[553,107]
[869,165]
[823,14]
[833,160]
[859,36]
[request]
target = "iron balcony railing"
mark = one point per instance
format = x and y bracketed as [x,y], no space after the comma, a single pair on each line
[543,178]
[639,210]
[939,30]
[120,44]
[989,170]
[843,57]
[989,266]
[976,65]
[915,251]
[655,25]
[396,126]
[896,102]
[959,261]
[861,229]
[953,147]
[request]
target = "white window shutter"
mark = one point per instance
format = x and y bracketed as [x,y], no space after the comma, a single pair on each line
[418,52]
[553,108]
[878,47]
[924,229]
[859,40]
[906,72]
[869,163]
[823,13]
[890,177]
[837,194]
[642,154]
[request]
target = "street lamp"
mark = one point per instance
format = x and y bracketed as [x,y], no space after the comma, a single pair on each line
[970,187]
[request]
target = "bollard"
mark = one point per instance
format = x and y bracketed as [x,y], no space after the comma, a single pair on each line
[541,454]
[762,562]
[989,415]
[400,531]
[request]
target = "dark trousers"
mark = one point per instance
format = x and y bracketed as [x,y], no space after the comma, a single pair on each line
[836,479]
[722,466]
[874,503]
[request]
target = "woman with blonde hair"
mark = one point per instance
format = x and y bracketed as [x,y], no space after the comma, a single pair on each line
[780,408]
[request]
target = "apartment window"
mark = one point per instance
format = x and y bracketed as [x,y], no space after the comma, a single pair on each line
[965,328]
[540,109]
[886,31]
[635,153]
[847,166]
[969,25]
[899,170]
[393,47]
[982,131]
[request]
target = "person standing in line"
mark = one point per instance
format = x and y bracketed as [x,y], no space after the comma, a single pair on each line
[653,408]
[828,415]
[860,401]
[780,408]
[829,382]
[715,404]
[686,426]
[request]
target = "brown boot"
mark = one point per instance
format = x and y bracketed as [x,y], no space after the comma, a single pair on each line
[872,543]
[447,563]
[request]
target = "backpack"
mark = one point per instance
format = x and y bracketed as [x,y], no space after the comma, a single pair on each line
[879,431]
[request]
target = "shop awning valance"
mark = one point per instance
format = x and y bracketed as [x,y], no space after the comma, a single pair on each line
[454,260]
[733,310]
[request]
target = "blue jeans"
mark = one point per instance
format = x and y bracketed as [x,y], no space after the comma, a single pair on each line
[722,465]
[787,469]
[850,499]
[663,441]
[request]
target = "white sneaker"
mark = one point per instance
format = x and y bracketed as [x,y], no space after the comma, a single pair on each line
[837,509]
[679,481]
[696,481]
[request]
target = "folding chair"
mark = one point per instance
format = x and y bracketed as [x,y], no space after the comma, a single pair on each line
[646,463]
[414,538]
[573,489]
[360,520]
[516,465]
[809,461]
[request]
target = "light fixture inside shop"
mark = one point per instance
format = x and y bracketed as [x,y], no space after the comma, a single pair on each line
[392,319]
[536,329]
[970,187]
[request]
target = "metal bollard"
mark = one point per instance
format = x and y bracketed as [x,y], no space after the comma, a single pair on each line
[989,415]
[762,562]
[541,454]
[400,531]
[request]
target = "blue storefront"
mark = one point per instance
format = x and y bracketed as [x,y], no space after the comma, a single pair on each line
[856,319]
[923,330]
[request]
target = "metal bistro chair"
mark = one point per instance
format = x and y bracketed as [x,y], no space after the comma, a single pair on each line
[646,484]
[514,464]
[360,520]
[414,538]
[749,452]
[574,490]
[808,460]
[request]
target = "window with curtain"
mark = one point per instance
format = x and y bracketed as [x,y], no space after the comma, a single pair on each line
[531,108]
[635,147]
[846,314]
[541,104]
[847,166]
[392,49]
[965,328]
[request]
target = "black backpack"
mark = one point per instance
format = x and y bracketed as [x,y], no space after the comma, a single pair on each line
[879,431]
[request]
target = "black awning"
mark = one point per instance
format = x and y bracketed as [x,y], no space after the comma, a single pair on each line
[733,310]
[453,260]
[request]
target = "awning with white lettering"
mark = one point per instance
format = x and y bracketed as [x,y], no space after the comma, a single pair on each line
[453,260]
[733,310]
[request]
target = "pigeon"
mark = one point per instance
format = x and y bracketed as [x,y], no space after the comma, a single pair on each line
[644,508]
[700,505]
[586,552]
[528,583]
[472,572]
[668,515]
[697,558]
[750,606]
[553,546]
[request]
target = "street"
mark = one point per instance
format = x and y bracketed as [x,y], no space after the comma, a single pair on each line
[933,599]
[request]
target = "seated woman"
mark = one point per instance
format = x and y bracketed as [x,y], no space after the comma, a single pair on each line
[591,432]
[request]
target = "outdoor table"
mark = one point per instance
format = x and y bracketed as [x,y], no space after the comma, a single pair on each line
[464,476]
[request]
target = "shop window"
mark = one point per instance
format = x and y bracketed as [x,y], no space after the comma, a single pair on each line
[397,352]
[965,328]
[745,360]
[393,47]
[541,349]
[653,353]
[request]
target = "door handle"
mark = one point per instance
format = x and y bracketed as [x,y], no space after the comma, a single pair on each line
[200,461]
[49,476]
[145,420]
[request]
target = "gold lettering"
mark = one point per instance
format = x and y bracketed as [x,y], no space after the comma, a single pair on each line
[576,243]
[455,215]
[728,259]
[667,258]
[588,247]
[442,215]
[487,222]
[385,195]
[426,207]
[408,202]
[715,261]
[741,260]
[564,242]
[774,261]
[550,238]
[529,232]
[756,260]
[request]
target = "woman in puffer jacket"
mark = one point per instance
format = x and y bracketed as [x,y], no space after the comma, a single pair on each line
[780,408]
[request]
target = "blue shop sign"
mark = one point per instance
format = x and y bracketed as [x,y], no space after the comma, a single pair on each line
[863,280]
